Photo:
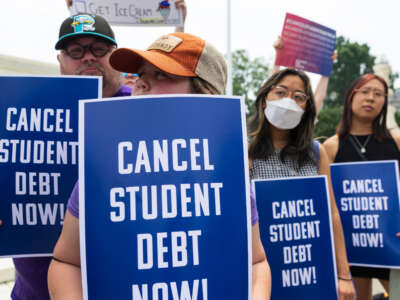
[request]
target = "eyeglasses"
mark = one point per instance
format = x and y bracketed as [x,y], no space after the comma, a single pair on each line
[377,93]
[130,74]
[77,51]
[283,92]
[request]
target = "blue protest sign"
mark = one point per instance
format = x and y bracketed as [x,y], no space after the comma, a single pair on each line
[367,196]
[296,231]
[38,158]
[164,181]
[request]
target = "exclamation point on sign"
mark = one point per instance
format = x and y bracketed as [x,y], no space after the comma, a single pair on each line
[381,239]
[314,275]
[62,213]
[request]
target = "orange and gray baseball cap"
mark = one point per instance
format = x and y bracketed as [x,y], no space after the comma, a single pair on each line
[85,25]
[180,54]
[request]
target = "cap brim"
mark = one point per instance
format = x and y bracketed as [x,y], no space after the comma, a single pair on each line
[129,60]
[66,38]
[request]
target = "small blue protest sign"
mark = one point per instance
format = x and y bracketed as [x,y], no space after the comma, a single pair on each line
[163,189]
[296,231]
[367,196]
[38,158]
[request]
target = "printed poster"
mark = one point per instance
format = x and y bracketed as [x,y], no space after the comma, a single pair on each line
[307,46]
[159,205]
[38,158]
[132,13]
[296,231]
[367,197]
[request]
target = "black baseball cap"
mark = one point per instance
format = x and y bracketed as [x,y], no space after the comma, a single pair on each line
[84,24]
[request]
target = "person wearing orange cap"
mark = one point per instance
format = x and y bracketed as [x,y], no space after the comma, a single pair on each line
[177,63]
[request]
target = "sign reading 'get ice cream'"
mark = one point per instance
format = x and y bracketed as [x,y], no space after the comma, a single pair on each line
[129,13]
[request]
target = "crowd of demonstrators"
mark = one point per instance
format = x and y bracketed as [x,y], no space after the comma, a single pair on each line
[193,66]
[322,86]
[362,136]
[281,133]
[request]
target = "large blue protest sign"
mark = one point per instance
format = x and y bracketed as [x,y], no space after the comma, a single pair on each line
[296,231]
[164,182]
[38,158]
[367,196]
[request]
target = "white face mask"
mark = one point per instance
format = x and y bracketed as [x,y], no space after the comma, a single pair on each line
[283,113]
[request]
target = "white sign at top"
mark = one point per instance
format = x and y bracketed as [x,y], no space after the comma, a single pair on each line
[132,12]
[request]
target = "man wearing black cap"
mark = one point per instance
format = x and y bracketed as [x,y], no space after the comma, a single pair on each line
[86,42]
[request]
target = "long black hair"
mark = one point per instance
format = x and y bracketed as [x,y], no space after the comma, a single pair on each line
[300,145]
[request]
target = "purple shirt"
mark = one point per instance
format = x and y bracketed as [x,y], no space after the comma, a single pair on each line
[73,204]
[31,281]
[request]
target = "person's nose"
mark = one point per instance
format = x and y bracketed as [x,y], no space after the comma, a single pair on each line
[370,96]
[141,86]
[88,56]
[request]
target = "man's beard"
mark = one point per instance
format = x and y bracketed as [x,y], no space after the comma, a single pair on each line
[94,65]
[90,65]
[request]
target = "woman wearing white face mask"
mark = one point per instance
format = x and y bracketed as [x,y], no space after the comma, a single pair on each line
[281,133]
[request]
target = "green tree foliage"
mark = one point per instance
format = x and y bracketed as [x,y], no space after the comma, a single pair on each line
[397,117]
[328,120]
[248,75]
[353,60]
[392,78]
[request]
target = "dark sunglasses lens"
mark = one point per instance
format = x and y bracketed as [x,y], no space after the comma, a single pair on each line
[99,49]
[75,51]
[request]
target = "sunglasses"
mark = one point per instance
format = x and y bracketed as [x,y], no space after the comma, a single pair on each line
[130,74]
[77,51]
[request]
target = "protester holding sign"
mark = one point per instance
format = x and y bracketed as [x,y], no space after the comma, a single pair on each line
[282,146]
[322,86]
[308,45]
[84,50]
[362,136]
[173,64]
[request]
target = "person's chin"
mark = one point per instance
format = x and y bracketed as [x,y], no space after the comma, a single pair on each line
[91,72]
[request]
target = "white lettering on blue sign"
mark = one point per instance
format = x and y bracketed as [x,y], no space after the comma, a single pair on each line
[33,214]
[162,151]
[372,203]
[38,152]
[367,240]
[297,254]
[373,185]
[160,290]
[293,209]
[365,221]
[33,183]
[299,276]
[38,119]
[204,196]
[294,231]
[177,244]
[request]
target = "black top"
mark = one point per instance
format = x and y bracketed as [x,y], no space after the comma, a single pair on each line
[375,150]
